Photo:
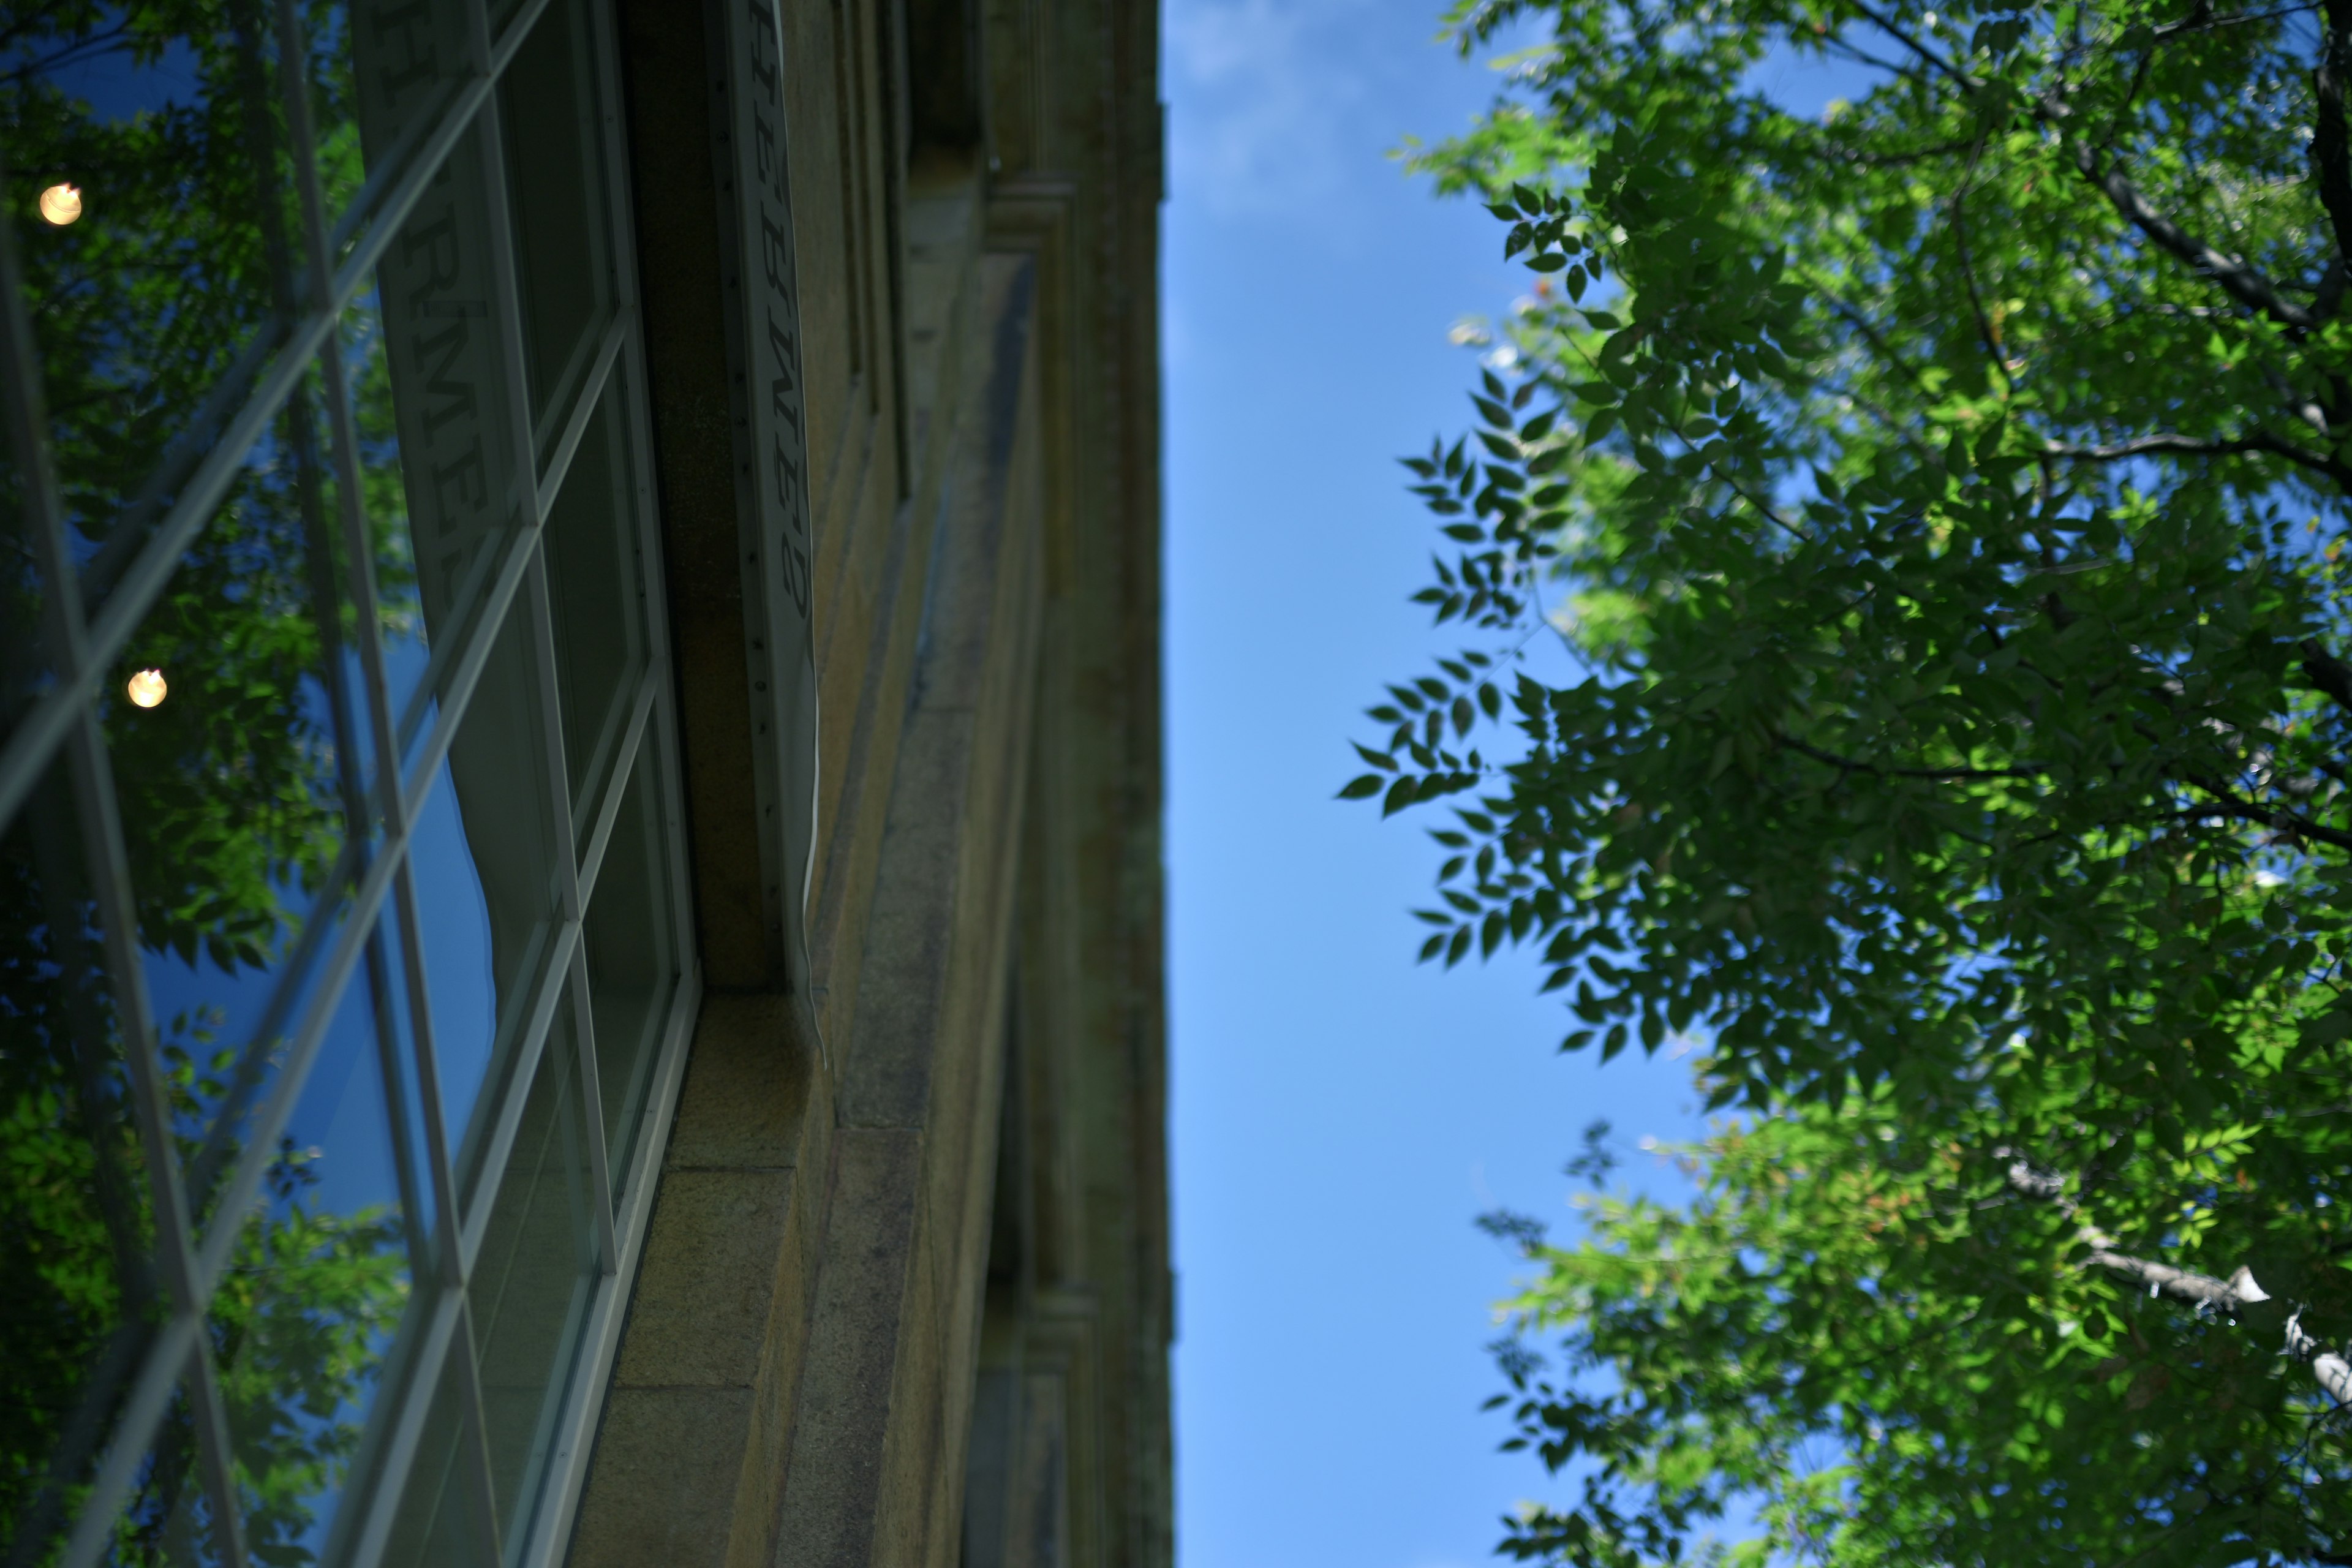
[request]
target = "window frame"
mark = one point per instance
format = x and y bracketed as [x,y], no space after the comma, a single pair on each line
[62,723]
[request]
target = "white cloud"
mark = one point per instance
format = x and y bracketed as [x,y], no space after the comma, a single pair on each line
[1263,99]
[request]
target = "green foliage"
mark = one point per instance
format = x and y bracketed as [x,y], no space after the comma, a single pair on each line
[1860,1334]
[1943,500]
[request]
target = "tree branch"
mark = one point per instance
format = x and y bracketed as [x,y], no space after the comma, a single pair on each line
[1886,24]
[2225,804]
[2331,148]
[1870,332]
[2198,446]
[1898,160]
[1855,765]
[1985,331]
[2207,23]
[2333,1373]
[2240,282]
[2202,1290]
[2328,673]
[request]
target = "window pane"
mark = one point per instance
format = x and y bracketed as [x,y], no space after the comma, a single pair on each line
[429,389]
[77,1227]
[556,175]
[484,855]
[596,588]
[533,1280]
[230,719]
[436,1525]
[632,958]
[382,75]
[317,1283]
[149,189]
[26,669]
[169,1522]
[242,743]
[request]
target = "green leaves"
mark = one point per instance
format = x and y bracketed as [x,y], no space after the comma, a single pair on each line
[1865,1335]
[1942,498]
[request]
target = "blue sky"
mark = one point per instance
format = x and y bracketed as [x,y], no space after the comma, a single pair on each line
[1339,1113]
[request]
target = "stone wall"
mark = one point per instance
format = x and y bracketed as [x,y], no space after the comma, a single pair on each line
[905,1296]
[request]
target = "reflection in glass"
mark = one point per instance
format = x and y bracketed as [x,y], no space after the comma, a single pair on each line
[169,1522]
[239,720]
[82,1300]
[240,793]
[305,1313]
[429,382]
[596,591]
[382,73]
[485,856]
[556,175]
[436,1523]
[632,958]
[26,669]
[154,311]
[533,1278]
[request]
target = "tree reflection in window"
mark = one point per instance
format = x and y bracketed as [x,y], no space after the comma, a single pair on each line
[153,315]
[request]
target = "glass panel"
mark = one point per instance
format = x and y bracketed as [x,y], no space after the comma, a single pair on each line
[632,961]
[152,200]
[429,389]
[383,74]
[386,976]
[502,12]
[436,1525]
[304,1316]
[230,719]
[555,177]
[81,1298]
[26,669]
[533,1280]
[169,1522]
[485,856]
[596,588]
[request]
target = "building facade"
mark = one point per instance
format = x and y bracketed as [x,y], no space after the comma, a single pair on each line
[580,939]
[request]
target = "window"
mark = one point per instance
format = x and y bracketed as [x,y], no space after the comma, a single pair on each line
[344,971]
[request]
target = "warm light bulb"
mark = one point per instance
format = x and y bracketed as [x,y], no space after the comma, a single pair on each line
[147,687]
[61,204]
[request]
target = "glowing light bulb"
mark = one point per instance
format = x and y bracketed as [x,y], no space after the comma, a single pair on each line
[147,687]
[61,204]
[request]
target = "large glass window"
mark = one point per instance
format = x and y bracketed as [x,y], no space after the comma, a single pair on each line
[342,982]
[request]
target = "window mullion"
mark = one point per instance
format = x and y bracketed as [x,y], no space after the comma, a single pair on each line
[591,1104]
[500,1133]
[167,1358]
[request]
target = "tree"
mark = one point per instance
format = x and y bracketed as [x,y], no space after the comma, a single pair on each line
[1943,498]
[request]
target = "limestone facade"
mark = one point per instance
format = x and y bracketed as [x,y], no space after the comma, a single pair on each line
[905,1299]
